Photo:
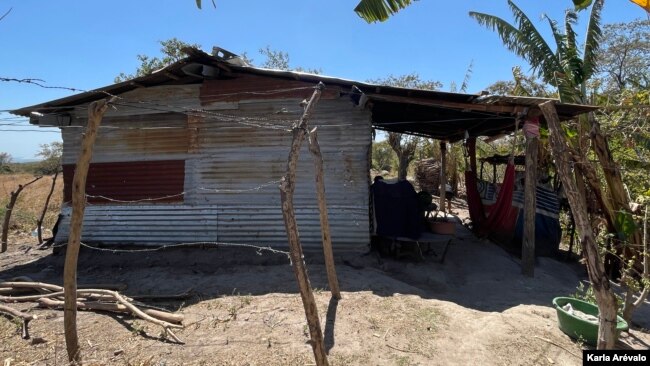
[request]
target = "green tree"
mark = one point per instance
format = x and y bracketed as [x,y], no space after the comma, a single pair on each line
[383,156]
[569,69]
[279,60]
[625,58]
[171,51]
[405,145]
[51,155]
[5,160]
[521,84]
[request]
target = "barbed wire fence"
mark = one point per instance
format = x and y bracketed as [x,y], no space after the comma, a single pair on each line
[295,256]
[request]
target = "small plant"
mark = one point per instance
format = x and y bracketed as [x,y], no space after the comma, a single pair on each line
[138,329]
[245,300]
[374,323]
[232,311]
[586,293]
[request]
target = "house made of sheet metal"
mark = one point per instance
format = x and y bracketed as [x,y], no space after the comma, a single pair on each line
[195,152]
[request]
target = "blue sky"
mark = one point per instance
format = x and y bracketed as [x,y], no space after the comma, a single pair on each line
[85,44]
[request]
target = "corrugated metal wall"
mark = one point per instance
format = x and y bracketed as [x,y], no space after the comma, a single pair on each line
[234,155]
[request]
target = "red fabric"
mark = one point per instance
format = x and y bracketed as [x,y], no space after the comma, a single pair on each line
[503,216]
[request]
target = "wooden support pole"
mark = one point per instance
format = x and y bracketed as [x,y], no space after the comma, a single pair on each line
[8,211]
[443,176]
[317,156]
[96,111]
[287,188]
[471,150]
[530,205]
[595,268]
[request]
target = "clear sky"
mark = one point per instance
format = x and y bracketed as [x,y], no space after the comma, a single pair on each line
[85,44]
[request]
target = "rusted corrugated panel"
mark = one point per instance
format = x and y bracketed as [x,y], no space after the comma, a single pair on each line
[237,168]
[144,224]
[162,136]
[162,181]
[255,87]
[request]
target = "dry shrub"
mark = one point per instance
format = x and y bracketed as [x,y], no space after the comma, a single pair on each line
[30,201]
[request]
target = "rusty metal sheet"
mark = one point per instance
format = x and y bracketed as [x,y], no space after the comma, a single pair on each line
[130,181]
[255,87]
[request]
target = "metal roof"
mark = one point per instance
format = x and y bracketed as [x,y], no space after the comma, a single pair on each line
[437,114]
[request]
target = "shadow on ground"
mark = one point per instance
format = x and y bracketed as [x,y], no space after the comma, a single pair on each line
[476,274]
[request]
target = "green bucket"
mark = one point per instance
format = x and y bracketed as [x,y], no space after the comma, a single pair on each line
[578,328]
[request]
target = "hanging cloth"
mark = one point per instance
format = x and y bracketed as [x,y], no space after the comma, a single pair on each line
[503,216]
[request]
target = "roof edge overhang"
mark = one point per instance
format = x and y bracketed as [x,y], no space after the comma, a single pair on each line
[504,108]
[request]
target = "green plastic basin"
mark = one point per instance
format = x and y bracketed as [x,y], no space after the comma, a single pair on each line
[578,328]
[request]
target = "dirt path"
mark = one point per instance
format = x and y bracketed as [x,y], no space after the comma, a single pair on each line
[476,308]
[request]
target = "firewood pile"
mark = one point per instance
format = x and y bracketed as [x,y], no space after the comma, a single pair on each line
[106,299]
[427,175]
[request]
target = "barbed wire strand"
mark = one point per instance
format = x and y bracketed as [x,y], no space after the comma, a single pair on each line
[214,190]
[259,249]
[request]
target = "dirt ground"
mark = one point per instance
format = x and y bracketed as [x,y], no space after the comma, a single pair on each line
[475,308]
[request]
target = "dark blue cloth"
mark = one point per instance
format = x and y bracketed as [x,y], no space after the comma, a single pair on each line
[396,209]
[548,232]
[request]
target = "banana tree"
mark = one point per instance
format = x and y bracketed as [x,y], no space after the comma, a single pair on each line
[569,69]
[380,10]
[370,10]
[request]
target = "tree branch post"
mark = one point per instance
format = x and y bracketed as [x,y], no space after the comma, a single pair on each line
[96,112]
[9,210]
[287,188]
[39,223]
[595,268]
[317,156]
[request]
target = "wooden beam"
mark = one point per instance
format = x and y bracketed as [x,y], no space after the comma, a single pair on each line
[530,205]
[96,111]
[491,108]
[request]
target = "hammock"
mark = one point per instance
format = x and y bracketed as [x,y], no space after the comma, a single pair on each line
[498,213]
[502,216]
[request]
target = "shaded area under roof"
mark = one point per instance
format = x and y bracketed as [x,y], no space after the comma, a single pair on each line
[436,114]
